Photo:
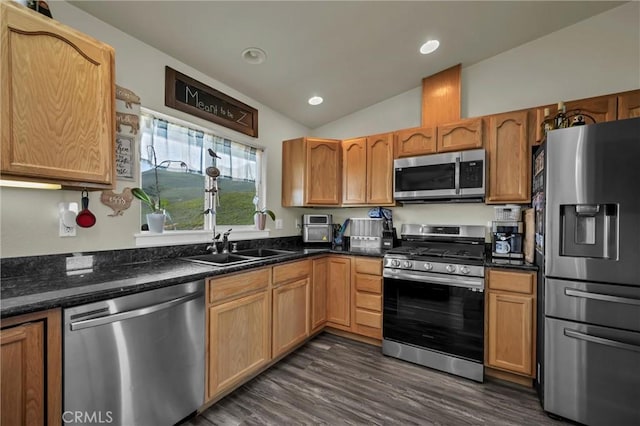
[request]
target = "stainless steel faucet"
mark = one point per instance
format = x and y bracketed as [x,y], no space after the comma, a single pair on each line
[225,241]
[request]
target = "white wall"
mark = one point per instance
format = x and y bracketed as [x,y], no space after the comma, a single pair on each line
[29,218]
[598,56]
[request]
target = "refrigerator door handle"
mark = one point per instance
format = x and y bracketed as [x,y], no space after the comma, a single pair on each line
[599,296]
[600,340]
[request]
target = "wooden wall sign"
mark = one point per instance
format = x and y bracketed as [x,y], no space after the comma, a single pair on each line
[183,93]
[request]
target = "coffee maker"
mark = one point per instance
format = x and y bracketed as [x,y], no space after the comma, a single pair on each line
[507,234]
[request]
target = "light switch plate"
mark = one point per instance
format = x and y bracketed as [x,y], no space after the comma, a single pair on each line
[278,223]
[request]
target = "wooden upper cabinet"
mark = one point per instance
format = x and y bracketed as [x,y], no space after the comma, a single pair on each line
[411,142]
[57,121]
[461,135]
[367,170]
[354,171]
[441,97]
[509,159]
[601,108]
[629,104]
[311,172]
[380,169]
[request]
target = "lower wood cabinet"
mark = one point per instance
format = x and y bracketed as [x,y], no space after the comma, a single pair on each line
[290,315]
[319,278]
[367,291]
[31,369]
[511,321]
[239,329]
[339,293]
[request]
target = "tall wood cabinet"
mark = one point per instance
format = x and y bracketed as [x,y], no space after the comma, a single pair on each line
[509,159]
[367,171]
[311,172]
[57,109]
[511,321]
[31,369]
[238,328]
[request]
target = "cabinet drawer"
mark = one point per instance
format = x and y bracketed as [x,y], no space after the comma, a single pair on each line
[291,271]
[229,286]
[514,281]
[370,319]
[369,266]
[369,301]
[369,283]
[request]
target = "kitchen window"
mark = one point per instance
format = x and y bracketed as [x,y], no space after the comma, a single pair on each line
[181,158]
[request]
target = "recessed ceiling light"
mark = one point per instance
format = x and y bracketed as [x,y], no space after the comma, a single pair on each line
[315,100]
[429,47]
[254,55]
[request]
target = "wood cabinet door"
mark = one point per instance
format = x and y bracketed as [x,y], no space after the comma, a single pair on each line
[239,340]
[412,142]
[354,171]
[293,168]
[323,172]
[601,108]
[509,159]
[58,119]
[339,291]
[380,169]
[290,315]
[511,334]
[319,293]
[629,104]
[22,376]
[461,135]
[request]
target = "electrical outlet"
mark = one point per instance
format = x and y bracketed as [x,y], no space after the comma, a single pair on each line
[66,231]
[278,223]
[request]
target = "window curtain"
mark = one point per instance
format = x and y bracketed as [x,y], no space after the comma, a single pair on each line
[174,143]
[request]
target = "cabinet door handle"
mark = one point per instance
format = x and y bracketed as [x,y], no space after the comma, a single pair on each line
[601,340]
[599,296]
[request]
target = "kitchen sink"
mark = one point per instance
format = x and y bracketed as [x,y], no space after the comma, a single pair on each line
[220,259]
[263,252]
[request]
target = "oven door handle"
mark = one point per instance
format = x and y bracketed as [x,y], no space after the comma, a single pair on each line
[459,281]
[457,175]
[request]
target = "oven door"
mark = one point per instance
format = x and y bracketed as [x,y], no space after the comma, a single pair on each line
[437,312]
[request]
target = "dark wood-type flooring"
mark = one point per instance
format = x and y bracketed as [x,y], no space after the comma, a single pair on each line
[334,381]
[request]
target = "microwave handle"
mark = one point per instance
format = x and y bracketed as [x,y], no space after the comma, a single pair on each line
[457,175]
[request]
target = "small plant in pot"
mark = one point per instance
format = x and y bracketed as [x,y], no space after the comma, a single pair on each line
[260,217]
[155,219]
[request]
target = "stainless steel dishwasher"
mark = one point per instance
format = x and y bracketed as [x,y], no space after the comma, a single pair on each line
[135,360]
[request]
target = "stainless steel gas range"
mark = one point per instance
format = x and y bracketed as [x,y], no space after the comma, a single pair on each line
[434,298]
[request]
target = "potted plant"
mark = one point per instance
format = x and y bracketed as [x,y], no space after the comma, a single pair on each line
[260,217]
[157,217]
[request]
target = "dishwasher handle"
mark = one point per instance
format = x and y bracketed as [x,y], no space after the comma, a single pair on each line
[94,322]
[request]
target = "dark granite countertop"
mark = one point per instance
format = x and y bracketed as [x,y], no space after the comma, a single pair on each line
[32,292]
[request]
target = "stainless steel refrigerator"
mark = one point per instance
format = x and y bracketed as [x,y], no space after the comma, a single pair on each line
[587,200]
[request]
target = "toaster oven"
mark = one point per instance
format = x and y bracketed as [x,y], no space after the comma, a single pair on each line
[317,228]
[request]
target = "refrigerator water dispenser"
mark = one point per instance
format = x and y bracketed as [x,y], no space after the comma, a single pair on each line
[589,230]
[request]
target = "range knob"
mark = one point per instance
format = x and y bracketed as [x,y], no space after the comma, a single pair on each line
[407,264]
[395,263]
[451,268]
[428,266]
[465,270]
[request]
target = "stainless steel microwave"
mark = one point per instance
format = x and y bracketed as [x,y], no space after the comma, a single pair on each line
[448,177]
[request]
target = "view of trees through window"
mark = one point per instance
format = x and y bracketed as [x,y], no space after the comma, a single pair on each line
[182,189]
